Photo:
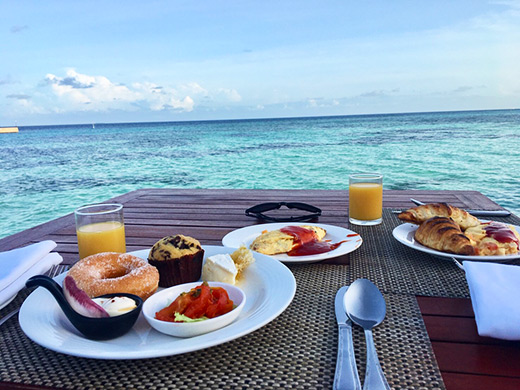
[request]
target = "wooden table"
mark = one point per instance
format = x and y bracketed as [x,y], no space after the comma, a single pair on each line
[466,360]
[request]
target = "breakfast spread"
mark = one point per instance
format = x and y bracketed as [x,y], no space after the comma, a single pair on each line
[100,307]
[419,214]
[242,258]
[286,239]
[178,259]
[111,272]
[445,235]
[116,306]
[294,241]
[200,303]
[494,238]
[80,302]
[449,229]
[219,268]
[226,268]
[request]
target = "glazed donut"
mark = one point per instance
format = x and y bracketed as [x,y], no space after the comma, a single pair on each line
[111,272]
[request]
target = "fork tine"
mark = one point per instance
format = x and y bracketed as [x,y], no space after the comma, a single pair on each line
[57,270]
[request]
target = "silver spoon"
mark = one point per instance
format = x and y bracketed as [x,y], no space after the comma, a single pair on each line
[366,307]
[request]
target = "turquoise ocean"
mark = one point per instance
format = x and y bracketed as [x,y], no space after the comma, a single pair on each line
[48,171]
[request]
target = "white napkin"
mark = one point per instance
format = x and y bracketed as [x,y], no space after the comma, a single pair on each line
[15,262]
[39,268]
[495,294]
[18,265]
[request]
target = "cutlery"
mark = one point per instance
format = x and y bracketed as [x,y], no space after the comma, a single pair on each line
[346,376]
[457,263]
[476,213]
[366,307]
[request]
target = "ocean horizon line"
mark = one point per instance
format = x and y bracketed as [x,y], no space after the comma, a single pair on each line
[198,121]
[56,168]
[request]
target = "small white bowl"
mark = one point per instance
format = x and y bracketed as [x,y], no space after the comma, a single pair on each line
[165,297]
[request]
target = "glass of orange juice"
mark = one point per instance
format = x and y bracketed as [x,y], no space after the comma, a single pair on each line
[100,228]
[365,193]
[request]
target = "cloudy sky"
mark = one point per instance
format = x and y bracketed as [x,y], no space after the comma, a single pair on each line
[130,61]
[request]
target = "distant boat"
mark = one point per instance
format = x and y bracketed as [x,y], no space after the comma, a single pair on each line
[93,126]
[12,129]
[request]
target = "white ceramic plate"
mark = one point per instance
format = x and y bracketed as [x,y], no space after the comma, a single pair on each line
[269,287]
[405,234]
[246,235]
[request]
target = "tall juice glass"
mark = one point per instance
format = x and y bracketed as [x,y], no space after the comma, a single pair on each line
[365,198]
[100,228]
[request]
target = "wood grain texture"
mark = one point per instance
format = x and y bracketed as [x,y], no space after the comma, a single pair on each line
[467,360]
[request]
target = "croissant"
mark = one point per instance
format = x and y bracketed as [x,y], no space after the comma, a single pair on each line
[444,234]
[419,214]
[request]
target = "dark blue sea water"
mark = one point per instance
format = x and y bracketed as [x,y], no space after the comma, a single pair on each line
[48,171]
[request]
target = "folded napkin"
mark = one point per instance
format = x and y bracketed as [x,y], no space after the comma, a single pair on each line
[39,268]
[18,265]
[495,290]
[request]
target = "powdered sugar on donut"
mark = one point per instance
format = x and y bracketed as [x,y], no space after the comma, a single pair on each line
[110,272]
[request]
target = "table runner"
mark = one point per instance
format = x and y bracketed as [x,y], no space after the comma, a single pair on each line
[296,350]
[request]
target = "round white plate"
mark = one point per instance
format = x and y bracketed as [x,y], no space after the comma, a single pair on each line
[269,287]
[405,234]
[246,235]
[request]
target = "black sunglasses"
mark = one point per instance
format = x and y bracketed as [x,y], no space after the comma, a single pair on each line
[259,210]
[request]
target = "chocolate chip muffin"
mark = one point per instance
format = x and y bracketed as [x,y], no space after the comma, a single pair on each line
[178,259]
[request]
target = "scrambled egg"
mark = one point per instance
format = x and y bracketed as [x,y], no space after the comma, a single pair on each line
[487,245]
[276,241]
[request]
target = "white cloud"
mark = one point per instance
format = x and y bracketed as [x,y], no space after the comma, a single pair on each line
[158,98]
[90,93]
[26,106]
[82,92]
[231,95]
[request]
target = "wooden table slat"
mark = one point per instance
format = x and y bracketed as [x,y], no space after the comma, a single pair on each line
[457,381]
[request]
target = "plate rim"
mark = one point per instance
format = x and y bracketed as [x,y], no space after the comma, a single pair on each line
[407,227]
[289,288]
[298,259]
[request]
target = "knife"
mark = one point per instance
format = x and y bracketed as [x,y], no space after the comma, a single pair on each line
[346,376]
[476,213]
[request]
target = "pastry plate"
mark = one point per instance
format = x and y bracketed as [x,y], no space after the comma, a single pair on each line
[405,234]
[269,287]
[245,236]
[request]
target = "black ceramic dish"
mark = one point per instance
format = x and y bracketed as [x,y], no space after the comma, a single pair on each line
[92,328]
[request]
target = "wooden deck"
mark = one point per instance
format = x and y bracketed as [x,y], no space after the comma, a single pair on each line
[466,360]
[209,215]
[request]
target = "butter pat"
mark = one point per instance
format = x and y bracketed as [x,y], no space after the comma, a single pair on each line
[219,268]
[116,306]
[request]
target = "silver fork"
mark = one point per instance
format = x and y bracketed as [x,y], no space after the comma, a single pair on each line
[54,271]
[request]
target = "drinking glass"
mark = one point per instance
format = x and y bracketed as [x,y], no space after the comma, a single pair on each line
[100,228]
[365,199]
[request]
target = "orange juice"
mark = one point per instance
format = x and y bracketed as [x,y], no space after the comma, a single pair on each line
[366,201]
[101,237]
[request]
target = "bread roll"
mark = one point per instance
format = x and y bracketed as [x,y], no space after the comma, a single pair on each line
[443,234]
[419,214]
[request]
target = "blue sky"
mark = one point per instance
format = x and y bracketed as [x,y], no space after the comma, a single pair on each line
[129,61]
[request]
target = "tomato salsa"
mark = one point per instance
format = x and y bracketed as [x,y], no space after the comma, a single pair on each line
[201,301]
